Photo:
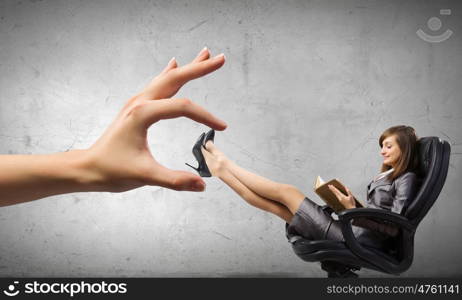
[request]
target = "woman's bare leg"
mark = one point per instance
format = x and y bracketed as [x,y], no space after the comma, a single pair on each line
[217,169]
[286,194]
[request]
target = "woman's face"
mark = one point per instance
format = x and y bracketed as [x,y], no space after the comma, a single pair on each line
[390,151]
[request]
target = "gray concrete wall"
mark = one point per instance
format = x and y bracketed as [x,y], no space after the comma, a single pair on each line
[307,89]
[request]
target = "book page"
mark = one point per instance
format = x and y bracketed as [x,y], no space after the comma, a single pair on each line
[319,181]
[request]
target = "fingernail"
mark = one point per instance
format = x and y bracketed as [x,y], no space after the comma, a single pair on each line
[220,56]
[203,50]
[198,186]
[171,60]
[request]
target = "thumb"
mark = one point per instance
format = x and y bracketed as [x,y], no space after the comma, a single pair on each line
[178,180]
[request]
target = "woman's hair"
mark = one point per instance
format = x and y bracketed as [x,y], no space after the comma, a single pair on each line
[407,143]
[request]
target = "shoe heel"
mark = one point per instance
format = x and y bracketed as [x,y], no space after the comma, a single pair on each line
[197,169]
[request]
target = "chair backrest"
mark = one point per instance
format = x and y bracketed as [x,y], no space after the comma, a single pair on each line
[433,162]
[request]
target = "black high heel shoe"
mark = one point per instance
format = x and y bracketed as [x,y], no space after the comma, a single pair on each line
[209,136]
[202,169]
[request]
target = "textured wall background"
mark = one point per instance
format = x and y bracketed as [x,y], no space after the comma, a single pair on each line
[307,89]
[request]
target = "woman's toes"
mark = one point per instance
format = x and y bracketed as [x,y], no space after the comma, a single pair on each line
[214,149]
[207,155]
[210,160]
[210,146]
[214,163]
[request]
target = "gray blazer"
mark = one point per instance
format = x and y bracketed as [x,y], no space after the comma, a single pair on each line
[390,195]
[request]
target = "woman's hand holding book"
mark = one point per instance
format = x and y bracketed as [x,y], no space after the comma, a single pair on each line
[347,200]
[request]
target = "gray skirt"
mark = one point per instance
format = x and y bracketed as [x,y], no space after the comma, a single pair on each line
[313,223]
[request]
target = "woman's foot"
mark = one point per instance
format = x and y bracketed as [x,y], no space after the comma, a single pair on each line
[196,150]
[215,159]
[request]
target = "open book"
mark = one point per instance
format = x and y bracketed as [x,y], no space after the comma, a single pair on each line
[322,189]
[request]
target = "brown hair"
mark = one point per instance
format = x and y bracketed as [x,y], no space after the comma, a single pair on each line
[406,139]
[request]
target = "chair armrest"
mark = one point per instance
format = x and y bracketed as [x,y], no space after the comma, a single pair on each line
[402,222]
[350,239]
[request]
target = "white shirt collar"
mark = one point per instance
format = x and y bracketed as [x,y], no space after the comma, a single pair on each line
[383,174]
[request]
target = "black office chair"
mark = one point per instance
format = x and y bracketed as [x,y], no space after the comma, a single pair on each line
[341,259]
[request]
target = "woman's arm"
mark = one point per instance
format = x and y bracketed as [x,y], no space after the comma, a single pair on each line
[349,202]
[405,188]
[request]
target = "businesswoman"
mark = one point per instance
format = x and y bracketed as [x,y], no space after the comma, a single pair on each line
[392,190]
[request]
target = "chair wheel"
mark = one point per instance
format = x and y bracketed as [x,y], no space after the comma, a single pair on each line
[346,274]
[338,270]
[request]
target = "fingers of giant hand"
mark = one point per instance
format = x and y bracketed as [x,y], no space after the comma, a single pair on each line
[172,64]
[173,108]
[203,55]
[172,78]
[177,180]
[198,69]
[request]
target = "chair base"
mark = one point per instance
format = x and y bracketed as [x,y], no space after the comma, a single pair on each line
[337,270]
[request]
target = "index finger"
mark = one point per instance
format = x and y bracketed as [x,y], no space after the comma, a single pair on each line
[348,191]
[154,111]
